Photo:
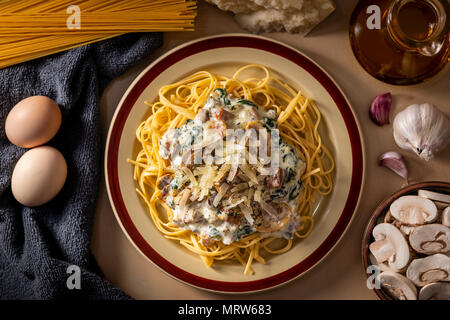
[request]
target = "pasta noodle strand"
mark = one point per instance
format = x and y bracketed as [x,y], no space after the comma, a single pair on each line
[298,119]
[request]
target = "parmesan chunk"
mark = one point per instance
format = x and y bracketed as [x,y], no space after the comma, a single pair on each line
[235,6]
[294,16]
[246,6]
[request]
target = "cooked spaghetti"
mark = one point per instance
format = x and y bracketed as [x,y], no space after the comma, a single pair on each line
[234,206]
[33,29]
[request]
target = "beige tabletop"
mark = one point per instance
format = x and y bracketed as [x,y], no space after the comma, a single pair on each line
[340,275]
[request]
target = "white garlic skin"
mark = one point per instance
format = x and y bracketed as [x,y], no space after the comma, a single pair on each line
[423,129]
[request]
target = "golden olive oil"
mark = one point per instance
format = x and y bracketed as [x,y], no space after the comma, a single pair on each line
[389,52]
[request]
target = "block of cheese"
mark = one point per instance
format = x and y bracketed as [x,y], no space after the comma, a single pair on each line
[294,16]
[236,6]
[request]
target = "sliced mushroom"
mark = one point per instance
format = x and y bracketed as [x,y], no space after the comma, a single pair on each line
[256,125]
[390,243]
[276,180]
[397,286]
[382,250]
[430,239]
[382,266]
[223,114]
[163,184]
[435,291]
[267,223]
[414,210]
[207,241]
[203,115]
[233,217]
[446,217]
[430,269]
[434,196]
[405,229]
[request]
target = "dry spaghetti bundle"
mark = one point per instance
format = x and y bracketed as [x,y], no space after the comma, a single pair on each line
[33,29]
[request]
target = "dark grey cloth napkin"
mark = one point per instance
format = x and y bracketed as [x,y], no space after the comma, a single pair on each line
[37,245]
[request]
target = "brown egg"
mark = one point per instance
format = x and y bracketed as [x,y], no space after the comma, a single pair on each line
[38,176]
[33,122]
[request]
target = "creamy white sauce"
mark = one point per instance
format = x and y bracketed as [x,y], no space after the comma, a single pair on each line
[205,223]
[201,217]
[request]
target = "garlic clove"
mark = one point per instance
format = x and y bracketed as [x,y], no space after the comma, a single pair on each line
[379,109]
[423,129]
[394,161]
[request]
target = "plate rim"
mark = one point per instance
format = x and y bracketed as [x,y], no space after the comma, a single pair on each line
[325,247]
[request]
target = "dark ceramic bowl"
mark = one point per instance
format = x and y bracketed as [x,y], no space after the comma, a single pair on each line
[379,213]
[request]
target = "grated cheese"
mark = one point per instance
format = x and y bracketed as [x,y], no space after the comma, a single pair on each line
[190,175]
[208,175]
[249,173]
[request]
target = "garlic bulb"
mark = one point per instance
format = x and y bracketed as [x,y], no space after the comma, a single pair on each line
[423,129]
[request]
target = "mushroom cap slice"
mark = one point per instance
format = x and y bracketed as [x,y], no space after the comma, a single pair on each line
[398,286]
[435,291]
[386,232]
[430,239]
[441,197]
[430,269]
[266,223]
[446,217]
[414,210]
[382,250]
[405,229]
[381,266]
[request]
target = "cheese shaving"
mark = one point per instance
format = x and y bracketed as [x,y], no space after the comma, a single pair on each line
[222,172]
[190,175]
[208,174]
[222,190]
[249,173]
[233,205]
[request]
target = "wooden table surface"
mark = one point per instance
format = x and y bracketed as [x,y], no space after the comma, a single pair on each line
[340,275]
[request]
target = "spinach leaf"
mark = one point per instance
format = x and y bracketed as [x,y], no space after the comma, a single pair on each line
[247,102]
[293,194]
[243,231]
[213,232]
[290,173]
[269,123]
[223,95]
[222,92]
[278,193]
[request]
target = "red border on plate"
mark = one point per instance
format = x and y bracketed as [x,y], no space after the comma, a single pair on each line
[248,42]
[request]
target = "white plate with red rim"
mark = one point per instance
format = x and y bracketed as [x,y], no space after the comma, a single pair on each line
[224,55]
